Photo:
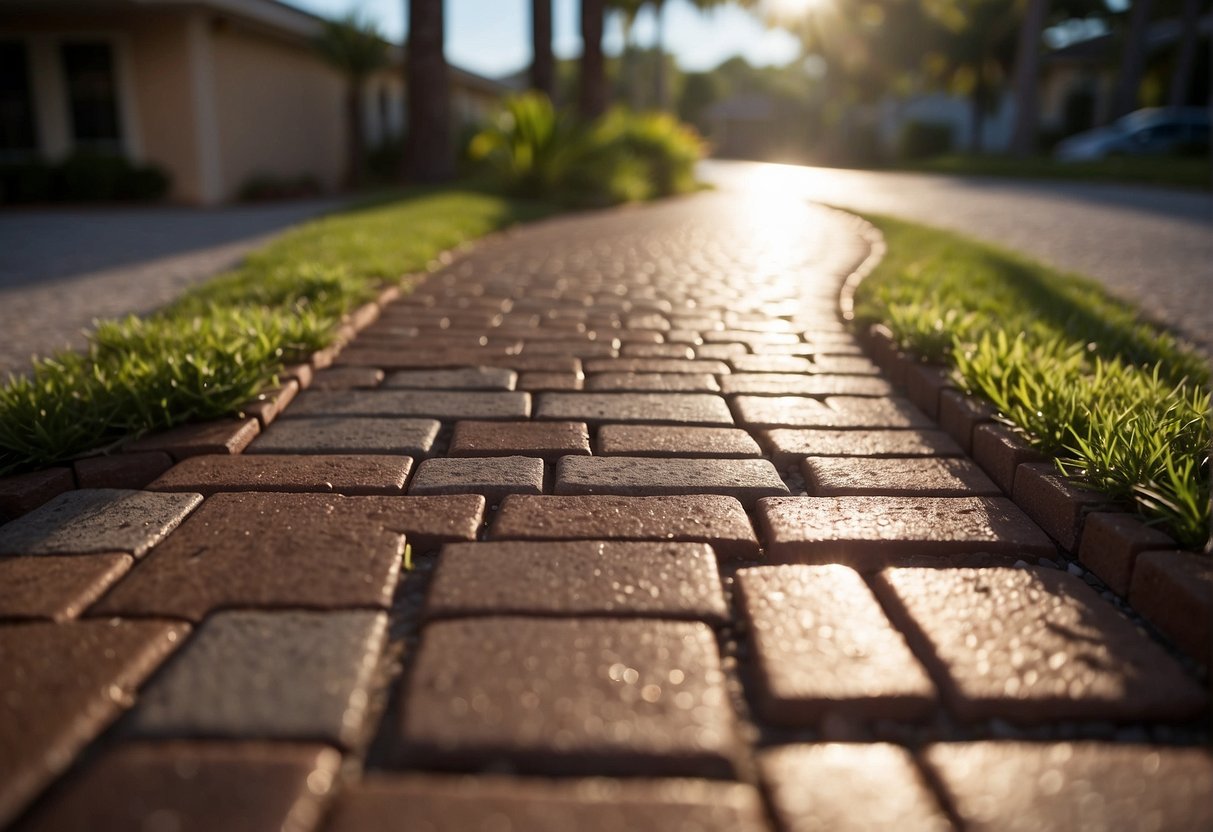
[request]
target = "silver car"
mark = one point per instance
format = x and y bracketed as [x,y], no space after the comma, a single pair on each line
[1157,131]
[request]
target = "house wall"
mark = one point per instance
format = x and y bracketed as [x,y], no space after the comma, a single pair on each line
[278,109]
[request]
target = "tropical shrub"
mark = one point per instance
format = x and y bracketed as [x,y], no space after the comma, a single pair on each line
[533,149]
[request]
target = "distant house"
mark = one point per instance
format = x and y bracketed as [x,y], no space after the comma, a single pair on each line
[216,92]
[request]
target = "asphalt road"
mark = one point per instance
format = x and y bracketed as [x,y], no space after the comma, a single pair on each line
[61,269]
[1152,246]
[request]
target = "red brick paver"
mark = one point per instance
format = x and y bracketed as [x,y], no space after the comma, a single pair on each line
[1034,645]
[720,521]
[585,696]
[458,804]
[824,648]
[850,788]
[1025,787]
[492,663]
[197,787]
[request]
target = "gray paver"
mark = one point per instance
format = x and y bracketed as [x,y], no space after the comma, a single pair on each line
[494,477]
[442,404]
[745,479]
[670,408]
[94,521]
[349,435]
[673,441]
[466,378]
[257,675]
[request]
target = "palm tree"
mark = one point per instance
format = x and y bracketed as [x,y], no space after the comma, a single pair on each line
[543,65]
[661,88]
[355,48]
[1132,60]
[1027,81]
[592,100]
[428,152]
[1181,75]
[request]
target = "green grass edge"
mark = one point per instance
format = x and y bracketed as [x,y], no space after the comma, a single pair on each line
[1119,403]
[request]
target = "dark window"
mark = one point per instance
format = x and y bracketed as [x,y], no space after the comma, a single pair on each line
[92,94]
[17,132]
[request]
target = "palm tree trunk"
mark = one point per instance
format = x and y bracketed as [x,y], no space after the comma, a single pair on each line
[1181,76]
[1132,60]
[661,90]
[543,65]
[1027,81]
[357,150]
[592,102]
[428,153]
[977,111]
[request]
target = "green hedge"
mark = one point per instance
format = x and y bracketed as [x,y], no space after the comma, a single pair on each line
[82,177]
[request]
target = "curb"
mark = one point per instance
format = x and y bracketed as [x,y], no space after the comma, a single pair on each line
[1169,587]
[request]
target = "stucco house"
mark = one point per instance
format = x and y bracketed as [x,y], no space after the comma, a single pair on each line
[216,92]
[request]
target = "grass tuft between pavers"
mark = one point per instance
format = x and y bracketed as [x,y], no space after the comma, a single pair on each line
[223,342]
[1119,403]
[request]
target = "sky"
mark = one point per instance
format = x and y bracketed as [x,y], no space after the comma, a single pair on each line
[492,37]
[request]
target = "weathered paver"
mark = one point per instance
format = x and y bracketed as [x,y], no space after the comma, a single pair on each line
[1084,786]
[913,477]
[849,788]
[466,378]
[1111,542]
[720,521]
[439,404]
[301,676]
[745,479]
[1033,645]
[803,384]
[659,382]
[195,787]
[667,441]
[494,476]
[824,649]
[348,435]
[330,474]
[582,578]
[269,550]
[95,521]
[1174,591]
[584,696]
[790,445]
[546,440]
[868,533]
[457,804]
[668,408]
[54,587]
[836,412]
[63,684]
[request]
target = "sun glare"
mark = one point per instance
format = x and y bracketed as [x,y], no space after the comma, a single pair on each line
[788,9]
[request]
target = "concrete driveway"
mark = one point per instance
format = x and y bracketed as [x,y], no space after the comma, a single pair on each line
[1152,246]
[61,269]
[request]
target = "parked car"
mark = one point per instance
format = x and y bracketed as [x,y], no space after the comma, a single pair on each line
[1157,131]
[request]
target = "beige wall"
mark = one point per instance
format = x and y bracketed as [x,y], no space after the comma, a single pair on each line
[279,110]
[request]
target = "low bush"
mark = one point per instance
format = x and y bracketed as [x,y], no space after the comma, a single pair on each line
[264,187]
[1120,404]
[924,140]
[82,177]
[535,150]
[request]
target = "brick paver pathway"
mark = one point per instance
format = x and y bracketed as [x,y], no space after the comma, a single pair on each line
[680,560]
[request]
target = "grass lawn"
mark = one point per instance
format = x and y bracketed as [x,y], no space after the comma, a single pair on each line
[1185,172]
[220,344]
[1119,403]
